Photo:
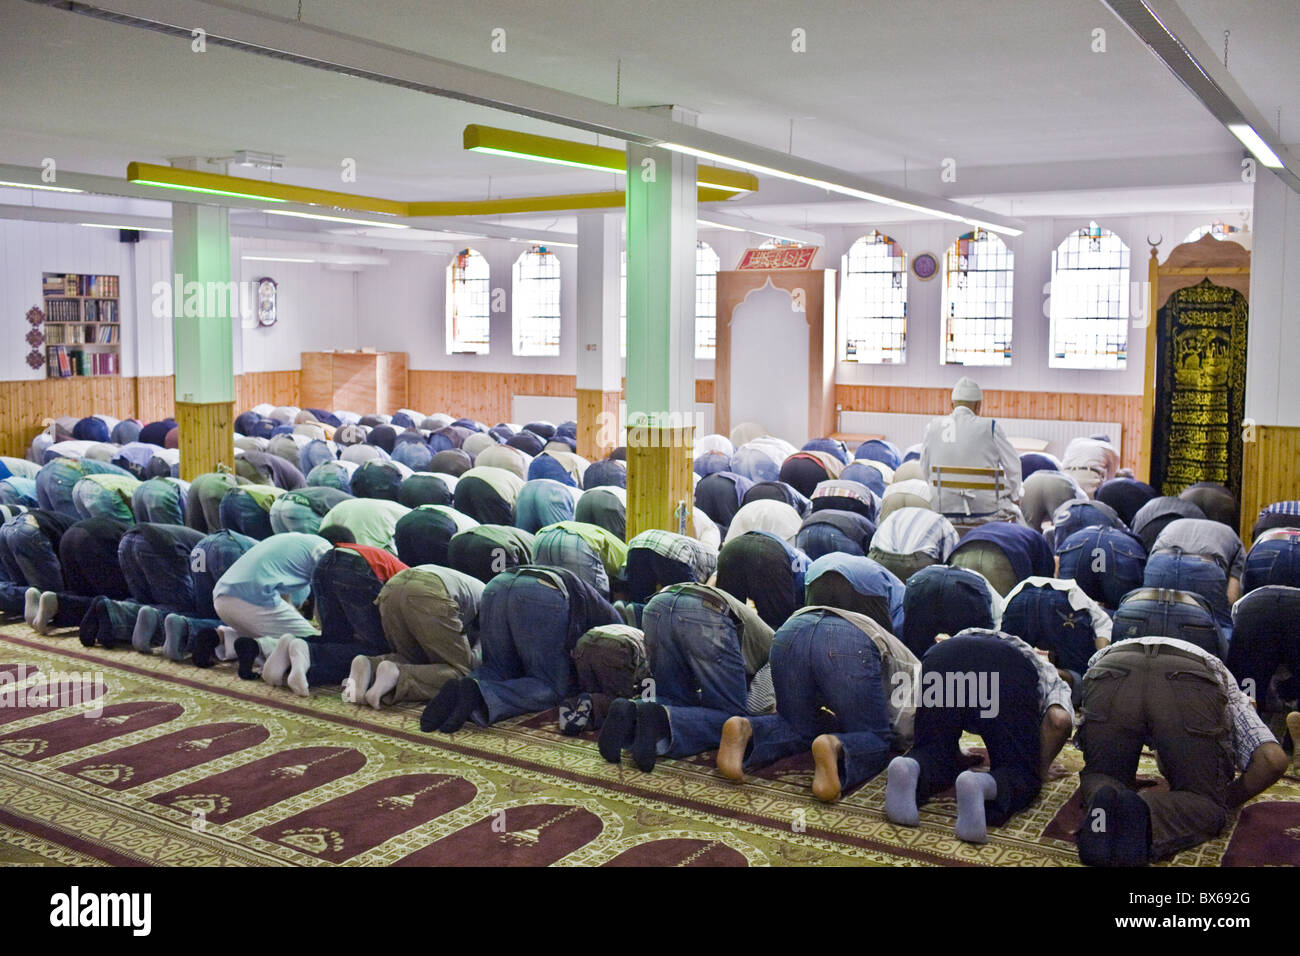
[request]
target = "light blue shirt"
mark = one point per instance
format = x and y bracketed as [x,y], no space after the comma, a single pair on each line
[282,564]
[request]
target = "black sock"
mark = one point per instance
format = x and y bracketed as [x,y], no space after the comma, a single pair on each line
[651,726]
[1132,846]
[618,729]
[468,697]
[246,650]
[1096,837]
[440,708]
[204,644]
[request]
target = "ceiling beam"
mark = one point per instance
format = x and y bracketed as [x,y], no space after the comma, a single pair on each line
[1174,40]
[291,41]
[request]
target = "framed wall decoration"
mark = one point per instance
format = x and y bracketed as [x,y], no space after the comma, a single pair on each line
[267,305]
[925,266]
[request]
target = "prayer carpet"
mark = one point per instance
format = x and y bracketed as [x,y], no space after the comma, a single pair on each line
[116,758]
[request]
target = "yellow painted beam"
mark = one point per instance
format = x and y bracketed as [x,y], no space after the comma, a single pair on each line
[221,185]
[564,152]
[215,184]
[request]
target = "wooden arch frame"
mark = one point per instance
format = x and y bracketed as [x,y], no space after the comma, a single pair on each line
[818,291]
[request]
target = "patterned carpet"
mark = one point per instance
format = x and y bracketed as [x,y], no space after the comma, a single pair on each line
[183,767]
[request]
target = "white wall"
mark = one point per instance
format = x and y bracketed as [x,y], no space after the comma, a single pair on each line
[1273,340]
[401,306]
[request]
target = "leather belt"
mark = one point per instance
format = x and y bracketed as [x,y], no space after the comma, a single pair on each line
[1166,596]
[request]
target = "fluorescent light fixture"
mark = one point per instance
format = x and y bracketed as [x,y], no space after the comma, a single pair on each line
[545,242]
[718,225]
[1252,141]
[358,222]
[205,190]
[109,225]
[41,186]
[274,259]
[563,152]
[835,188]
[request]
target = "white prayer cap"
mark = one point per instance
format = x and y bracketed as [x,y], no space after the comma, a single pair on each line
[966,390]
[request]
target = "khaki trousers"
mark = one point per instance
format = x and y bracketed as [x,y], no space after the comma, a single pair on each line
[424,629]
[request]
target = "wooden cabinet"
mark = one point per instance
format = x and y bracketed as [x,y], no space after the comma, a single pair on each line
[361,382]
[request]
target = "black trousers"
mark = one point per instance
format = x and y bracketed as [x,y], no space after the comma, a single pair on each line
[1012,736]
[345,590]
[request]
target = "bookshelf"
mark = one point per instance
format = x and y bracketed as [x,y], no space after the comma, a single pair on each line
[83,325]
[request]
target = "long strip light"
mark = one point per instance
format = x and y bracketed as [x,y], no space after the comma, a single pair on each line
[1258,148]
[839,188]
[41,186]
[323,218]
[563,152]
[109,225]
[274,259]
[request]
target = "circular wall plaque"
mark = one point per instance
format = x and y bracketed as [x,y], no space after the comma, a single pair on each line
[925,266]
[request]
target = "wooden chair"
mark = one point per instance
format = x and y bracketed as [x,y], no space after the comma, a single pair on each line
[965,483]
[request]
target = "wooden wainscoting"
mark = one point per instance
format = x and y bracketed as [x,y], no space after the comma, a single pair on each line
[1270,471]
[485,396]
[275,388]
[1069,406]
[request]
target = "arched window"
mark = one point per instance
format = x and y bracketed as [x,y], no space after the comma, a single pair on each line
[1217,229]
[977,285]
[706,300]
[873,301]
[1089,300]
[468,304]
[536,303]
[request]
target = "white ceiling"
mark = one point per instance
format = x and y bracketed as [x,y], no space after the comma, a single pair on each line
[883,87]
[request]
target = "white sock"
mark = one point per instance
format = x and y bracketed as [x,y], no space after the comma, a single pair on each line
[358,680]
[46,608]
[225,650]
[276,664]
[31,600]
[299,662]
[973,789]
[386,675]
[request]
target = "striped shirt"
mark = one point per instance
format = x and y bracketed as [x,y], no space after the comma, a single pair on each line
[1249,732]
[912,530]
[702,559]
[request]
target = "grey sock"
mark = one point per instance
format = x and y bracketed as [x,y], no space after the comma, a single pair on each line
[973,790]
[900,792]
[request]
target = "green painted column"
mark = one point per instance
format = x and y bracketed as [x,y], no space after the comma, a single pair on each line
[205,306]
[661,237]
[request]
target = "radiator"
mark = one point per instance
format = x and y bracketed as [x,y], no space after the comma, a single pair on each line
[905,429]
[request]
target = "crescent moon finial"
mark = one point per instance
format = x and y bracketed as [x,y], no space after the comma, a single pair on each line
[1156,242]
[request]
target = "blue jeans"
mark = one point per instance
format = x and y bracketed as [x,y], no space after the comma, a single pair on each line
[158,571]
[1272,562]
[160,501]
[1042,616]
[698,670]
[1189,572]
[821,660]
[30,557]
[209,560]
[241,512]
[816,540]
[1146,618]
[523,632]
[1119,570]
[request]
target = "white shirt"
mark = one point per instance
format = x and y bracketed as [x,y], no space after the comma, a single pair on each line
[966,440]
[1092,454]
